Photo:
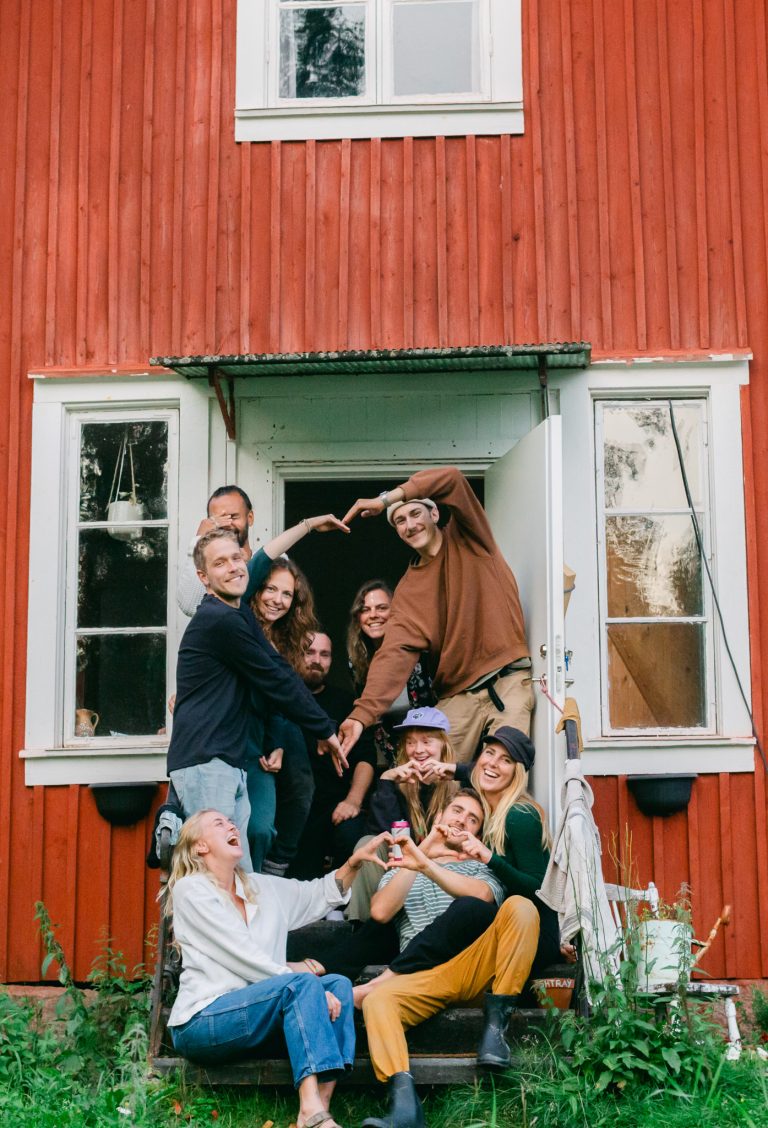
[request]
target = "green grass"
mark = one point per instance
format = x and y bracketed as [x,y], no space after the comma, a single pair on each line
[90,1069]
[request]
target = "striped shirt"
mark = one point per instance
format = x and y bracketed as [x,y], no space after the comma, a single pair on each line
[426,900]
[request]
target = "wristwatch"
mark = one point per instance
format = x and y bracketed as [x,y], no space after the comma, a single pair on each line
[384,496]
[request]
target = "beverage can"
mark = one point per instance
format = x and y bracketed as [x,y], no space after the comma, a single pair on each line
[399,829]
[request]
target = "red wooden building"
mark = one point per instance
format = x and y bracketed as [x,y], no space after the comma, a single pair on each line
[202,178]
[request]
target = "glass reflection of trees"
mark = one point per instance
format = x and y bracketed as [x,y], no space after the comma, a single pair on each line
[122,584]
[99,453]
[322,52]
[656,669]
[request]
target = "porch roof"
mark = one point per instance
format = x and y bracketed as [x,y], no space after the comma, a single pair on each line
[360,362]
[485,358]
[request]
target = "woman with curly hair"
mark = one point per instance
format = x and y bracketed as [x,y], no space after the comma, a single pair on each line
[285,608]
[368,618]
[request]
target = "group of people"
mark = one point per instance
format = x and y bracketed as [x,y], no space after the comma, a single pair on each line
[413,797]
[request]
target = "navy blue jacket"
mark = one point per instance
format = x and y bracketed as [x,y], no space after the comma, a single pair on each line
[225,669]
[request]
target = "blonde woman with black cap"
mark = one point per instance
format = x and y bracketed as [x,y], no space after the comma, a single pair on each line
[515,847]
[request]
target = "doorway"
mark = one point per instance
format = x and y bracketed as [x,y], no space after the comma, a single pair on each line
[336,565]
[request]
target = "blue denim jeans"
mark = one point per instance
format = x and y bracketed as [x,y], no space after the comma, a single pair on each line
[221,787]
[241,1020]
[261,825]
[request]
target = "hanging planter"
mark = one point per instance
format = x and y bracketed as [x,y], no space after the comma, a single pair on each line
[662,795]
[124,506]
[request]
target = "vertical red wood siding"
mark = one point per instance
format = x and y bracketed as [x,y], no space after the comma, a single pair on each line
[632,213]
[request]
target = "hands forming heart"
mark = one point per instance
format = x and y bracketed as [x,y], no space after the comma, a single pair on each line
[420,771]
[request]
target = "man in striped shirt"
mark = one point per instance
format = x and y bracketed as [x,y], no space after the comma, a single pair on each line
[431,879]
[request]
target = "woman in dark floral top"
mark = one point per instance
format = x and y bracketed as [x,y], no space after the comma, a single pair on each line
[367,625]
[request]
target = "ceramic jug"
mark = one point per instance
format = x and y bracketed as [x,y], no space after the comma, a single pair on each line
[85,722]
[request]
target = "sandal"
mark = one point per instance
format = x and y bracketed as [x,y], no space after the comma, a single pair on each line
[319,1118]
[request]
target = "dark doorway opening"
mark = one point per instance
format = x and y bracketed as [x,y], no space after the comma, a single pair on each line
[336,564]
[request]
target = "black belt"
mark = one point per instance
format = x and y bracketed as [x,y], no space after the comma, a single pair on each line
[505,671]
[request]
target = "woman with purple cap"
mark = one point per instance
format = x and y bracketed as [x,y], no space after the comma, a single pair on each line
[421,783]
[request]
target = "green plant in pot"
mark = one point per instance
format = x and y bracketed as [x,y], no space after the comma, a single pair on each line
[665,939]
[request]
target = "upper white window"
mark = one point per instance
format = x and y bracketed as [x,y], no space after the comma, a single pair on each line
[377,68]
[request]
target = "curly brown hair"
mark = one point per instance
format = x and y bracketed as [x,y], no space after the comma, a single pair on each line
[360,649]
[288,634]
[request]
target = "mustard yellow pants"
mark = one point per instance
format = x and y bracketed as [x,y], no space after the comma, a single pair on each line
[472,714]
[502,956]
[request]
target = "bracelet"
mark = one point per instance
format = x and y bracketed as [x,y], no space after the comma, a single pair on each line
[304,521]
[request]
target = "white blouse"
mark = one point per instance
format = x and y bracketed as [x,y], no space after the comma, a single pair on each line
[221,952]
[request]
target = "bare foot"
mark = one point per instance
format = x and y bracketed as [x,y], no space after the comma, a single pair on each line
[364,989]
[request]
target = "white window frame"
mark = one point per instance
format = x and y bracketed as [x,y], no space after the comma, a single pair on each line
[260,115]
[729,747]
[51,754]
[706,617]
[76,420]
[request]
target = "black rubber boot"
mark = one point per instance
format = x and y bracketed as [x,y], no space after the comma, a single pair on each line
[405,1109]
[493,1051]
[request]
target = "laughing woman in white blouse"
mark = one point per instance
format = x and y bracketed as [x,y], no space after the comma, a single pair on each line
[236,987]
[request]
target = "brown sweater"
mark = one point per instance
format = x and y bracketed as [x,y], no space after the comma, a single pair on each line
[462,606]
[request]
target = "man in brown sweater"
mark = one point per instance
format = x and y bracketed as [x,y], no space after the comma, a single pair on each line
[458,601]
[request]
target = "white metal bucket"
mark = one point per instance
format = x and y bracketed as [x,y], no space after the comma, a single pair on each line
[665,952]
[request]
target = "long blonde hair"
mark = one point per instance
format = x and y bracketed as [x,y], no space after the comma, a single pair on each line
[186,861]
[442,792]
[517,794]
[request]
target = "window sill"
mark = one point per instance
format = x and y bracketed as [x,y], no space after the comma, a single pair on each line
[95,763]
[334,123]
[661,755]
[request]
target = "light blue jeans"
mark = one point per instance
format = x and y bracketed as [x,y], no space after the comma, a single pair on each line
[221,787]
[242,1020]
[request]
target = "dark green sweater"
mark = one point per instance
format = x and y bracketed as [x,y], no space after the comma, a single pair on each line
[521,870]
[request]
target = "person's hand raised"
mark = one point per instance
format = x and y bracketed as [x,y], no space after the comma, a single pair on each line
[327,523]
[408,772]
[369,851]
[471,847]
[364,507]
[432,770]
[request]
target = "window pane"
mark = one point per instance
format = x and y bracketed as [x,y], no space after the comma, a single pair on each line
[656,675]
[322,52]
[106,453]
[122,583]
[641,464]
[436,48]
[654,567]
[122,679]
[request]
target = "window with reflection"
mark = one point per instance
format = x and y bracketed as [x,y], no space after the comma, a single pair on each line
[658,670]
[382,51]
[118,580]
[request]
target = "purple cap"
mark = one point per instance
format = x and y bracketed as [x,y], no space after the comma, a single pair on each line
[426,717]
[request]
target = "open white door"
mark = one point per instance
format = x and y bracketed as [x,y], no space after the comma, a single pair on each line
[524,503]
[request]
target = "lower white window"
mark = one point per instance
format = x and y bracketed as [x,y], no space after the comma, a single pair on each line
[103,628]
[656,629]
[116,609]
[662,679]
